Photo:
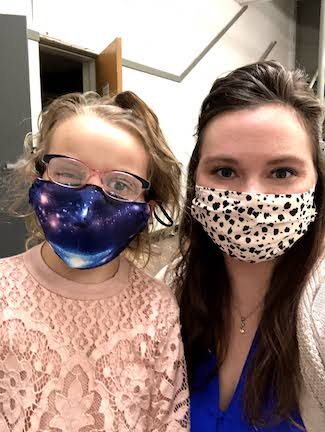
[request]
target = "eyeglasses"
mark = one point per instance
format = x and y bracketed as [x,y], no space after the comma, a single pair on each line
[73,173]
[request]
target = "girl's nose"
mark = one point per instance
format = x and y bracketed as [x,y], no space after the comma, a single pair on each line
[95,180]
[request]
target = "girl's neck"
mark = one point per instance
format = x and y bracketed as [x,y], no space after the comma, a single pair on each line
[249,282]
[87,276]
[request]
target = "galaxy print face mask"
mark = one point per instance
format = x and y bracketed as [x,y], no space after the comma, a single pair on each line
[253,227]
[86,227]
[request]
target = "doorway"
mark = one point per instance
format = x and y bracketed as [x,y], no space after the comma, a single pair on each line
[59,75]
[62,70]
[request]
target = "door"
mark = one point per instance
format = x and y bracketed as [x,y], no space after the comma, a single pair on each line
[109,69]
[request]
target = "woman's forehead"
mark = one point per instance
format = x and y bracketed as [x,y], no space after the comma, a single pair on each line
[268,130]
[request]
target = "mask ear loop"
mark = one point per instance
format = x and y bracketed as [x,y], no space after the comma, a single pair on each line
[170,220]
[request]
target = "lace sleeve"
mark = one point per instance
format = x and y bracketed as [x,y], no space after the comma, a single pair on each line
[170,398]
[311,340]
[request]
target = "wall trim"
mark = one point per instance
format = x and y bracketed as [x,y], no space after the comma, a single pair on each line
[179,78]
[268,51]
[33,35]
[149,70]
[61,46]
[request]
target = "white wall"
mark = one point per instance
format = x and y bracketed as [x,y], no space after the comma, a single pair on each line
[178,104]
[17,7]
[13,7]
[168,35]
[153,32]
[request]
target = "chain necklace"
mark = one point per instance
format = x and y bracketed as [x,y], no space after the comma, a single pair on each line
[243,319]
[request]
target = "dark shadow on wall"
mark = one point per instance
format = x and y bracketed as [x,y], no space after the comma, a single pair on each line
[15,115]
[307,35]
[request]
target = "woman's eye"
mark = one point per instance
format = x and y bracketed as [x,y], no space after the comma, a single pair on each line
[225,172]
[282,173]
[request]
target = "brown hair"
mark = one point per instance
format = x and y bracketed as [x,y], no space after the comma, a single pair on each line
[205,310]
[126,111]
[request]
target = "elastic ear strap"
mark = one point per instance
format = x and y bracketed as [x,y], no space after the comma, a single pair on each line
[170,220]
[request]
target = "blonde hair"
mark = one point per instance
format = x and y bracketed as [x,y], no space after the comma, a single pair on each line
[125,110]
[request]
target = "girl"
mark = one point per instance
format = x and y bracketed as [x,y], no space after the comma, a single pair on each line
[88,341]
[250,280]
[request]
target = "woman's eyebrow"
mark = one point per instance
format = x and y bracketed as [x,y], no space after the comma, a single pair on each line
[219,159]
[290,159]
[285,159]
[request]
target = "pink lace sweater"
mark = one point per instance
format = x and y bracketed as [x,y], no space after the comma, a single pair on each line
[80,358]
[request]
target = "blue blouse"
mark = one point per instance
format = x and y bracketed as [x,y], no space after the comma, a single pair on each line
[205,412]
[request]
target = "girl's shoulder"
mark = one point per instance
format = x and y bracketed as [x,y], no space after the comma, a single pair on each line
[154,293]
[140,277]
[15,277]
[12,266]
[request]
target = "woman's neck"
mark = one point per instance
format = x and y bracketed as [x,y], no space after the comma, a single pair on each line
[87,276]
[249,282]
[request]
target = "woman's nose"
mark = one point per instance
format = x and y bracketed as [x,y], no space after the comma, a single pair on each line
[253,186]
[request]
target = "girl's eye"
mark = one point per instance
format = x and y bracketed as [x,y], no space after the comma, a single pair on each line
[225,172]
[283,173]
[120,186]
[67,175]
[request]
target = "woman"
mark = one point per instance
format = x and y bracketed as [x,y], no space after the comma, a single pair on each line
[250,280]
[89,342]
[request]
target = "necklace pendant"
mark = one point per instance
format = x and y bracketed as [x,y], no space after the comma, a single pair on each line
[242,325]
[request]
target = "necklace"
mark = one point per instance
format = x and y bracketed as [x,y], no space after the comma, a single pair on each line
[243,319]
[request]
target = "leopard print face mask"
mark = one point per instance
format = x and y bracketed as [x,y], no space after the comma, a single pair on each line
[253,227]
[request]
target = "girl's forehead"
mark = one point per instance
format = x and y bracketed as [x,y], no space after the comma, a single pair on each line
[91,128]
[99,143]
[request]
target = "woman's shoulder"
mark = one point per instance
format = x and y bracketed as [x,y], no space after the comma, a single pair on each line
[312,303]
[316,303]
[315,287]
[311,340]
